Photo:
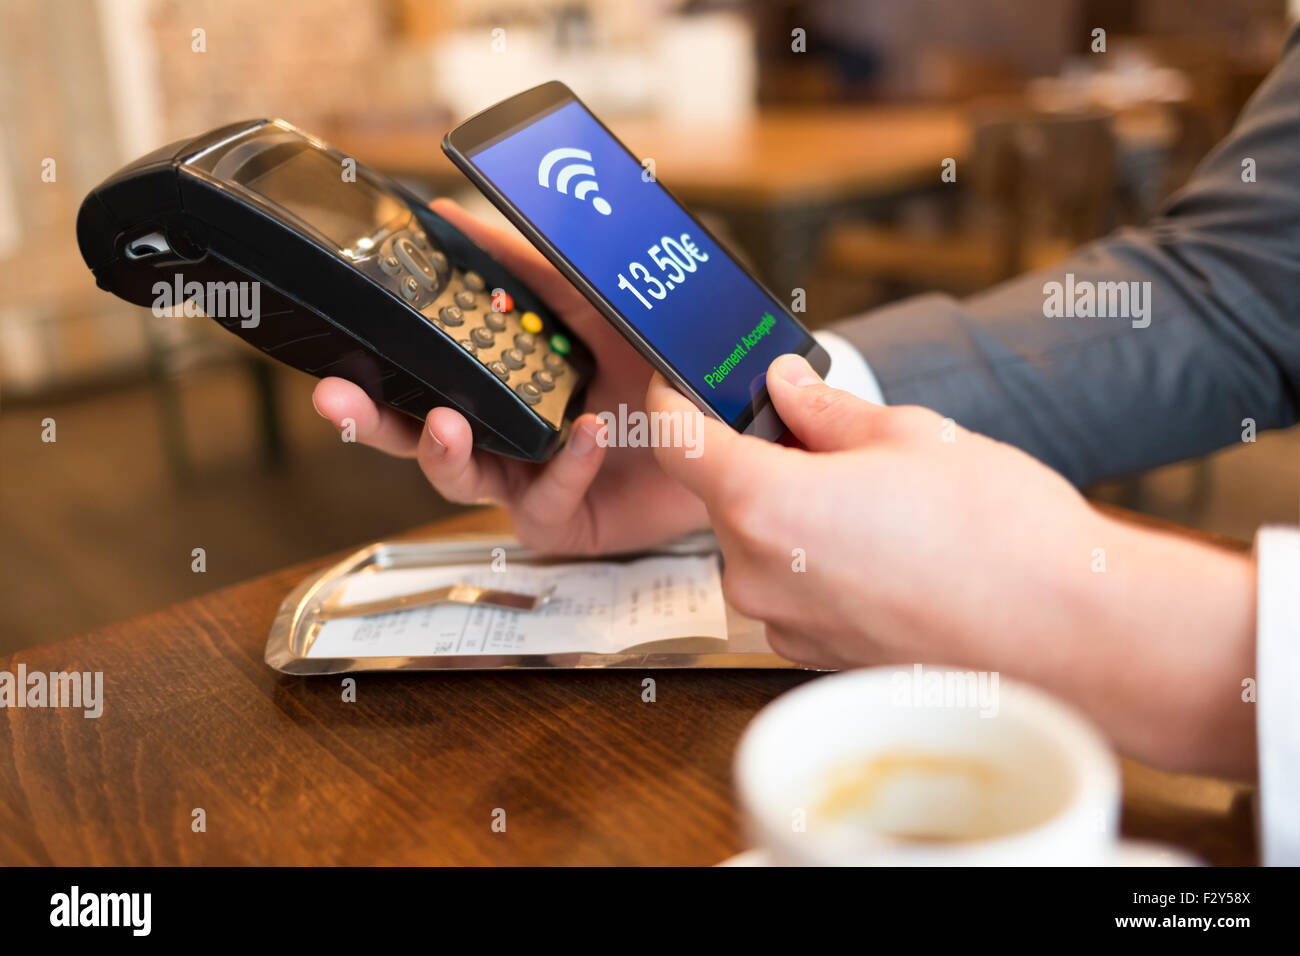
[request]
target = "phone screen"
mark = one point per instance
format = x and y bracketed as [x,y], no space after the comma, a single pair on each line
[649,258]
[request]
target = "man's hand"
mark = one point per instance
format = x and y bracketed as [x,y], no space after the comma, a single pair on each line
[899,536]
[883,539]
[588,499]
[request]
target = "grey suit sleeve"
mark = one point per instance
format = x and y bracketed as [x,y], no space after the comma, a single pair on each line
[1097,397]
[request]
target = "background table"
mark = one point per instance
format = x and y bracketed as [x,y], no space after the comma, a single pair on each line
[411,773]
[772,178]
[775,156]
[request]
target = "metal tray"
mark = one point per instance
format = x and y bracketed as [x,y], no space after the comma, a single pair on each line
[295,628]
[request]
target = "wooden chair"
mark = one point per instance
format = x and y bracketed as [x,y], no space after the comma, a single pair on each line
[1068,181]
[69,318]
[951,75]
[1034,187]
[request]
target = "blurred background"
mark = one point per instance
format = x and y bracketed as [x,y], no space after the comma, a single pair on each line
[810,135]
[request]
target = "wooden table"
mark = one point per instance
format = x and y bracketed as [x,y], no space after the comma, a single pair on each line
[772,178]
[286,772]
[774,157]
[775,179]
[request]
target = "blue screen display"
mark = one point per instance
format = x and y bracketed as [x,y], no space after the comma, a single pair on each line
[690,300]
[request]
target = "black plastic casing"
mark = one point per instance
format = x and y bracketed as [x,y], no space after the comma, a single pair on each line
[320,313]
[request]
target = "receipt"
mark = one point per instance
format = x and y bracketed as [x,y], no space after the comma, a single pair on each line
[598,607]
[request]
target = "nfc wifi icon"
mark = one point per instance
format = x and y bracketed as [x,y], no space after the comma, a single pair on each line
[567,157]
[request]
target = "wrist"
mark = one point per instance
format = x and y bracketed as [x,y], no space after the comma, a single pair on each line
[1164,636]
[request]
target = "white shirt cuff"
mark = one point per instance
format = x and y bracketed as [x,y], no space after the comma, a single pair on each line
[1277,672]
[849,370]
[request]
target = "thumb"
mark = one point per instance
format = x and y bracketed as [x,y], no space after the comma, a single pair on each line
[719,460]
[821,417]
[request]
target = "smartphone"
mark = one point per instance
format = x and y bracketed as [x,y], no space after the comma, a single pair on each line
[649,266]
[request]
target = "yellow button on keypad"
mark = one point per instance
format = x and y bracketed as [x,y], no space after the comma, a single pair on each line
[531,322]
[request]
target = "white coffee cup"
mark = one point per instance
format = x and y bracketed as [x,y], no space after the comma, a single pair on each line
[930,766]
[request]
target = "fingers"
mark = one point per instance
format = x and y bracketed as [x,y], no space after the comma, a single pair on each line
[378,426]
[816,652]
[793,648]
[720,457]
[555,496]
[512,251]
[446,456]
[821,417]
